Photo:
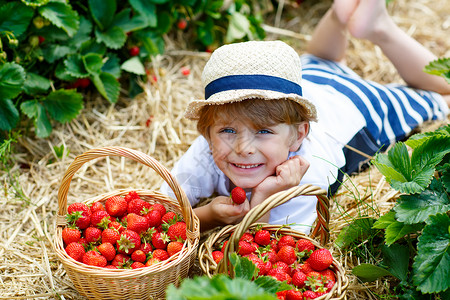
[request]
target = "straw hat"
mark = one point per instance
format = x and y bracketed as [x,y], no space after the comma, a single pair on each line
[256,69]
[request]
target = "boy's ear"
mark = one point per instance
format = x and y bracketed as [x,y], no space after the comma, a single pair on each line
[302,132]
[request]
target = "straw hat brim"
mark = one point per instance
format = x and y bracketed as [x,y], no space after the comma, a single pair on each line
[229,96]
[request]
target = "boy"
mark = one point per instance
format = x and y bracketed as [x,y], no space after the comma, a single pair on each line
[258,117]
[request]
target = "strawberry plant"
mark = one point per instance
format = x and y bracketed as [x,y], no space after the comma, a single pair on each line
[51,51]
[416,244]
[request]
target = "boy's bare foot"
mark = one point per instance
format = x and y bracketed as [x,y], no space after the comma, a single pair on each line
[344,9]
[369,19]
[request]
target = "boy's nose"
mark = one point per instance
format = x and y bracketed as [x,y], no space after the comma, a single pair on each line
[244,145]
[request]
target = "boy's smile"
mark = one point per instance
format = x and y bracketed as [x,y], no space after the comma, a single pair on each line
[247,155]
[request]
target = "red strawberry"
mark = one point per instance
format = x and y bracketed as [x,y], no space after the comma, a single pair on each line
[287,254]
[259,263]
[79,214]
[185,71]
[182,24]
[92,234]
[169,217]
[131,195]
[100,219]
[329,274]
[110,235]
[117,226]
[294,295]
[314,280]
[82,82]
[70,235]
[93,258]
[217,256]
[282,266]
[152,261]
[329,285]
[116,206]
[177,231]
[160,254]
[138,206]
[154,218]
[223,246]
[107,250]
[120,260]
[159,207]
[286,240]
[137,265]
[246,248]
[174,247]
[307,295]
[110,267]
[304,245]
[139,256]
[137,223]
[146,247]
[160,240]
[238,195]
[128,242]
[281,295]
[76,251]
[320,259]
[274,245]
[305,267]
[271,256]
[248,237]
[262,237]
[298,279]
[279,275]
[96,206]
[134,51]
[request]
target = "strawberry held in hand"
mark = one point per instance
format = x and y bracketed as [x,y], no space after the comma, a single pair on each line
[238,195]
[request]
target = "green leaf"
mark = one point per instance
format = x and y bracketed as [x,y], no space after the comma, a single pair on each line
[369,272]
[62,74]
[54,52]
[238,27]
[134,65]
[12,77]
[243,267]
[431,265]
[114,37]
[398,230]
[357,231]
[146,9]
[93,47]
[417,208]
[93,63]
[384,221]
[36,111]
[205,32]
[36,84]
[112,65]
[75,66]
[419,138]
[15,17]
[153,42]
[107,86]
[396,258]
[64,105]
[83,34]
[439,67]
[123,20]
[164,22]
[9,116]
[62,16]
[270,284]
[103,12]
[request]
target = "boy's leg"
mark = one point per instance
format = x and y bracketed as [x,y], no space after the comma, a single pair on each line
[370,20]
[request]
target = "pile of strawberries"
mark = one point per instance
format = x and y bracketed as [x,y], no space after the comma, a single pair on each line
[123,233]
[298,262]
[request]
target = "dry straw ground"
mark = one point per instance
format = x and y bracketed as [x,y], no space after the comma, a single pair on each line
[29,268]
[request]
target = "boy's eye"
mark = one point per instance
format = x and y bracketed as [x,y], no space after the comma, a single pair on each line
[264,131]
[228,130]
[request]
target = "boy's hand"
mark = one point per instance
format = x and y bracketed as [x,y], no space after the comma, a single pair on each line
[287,175]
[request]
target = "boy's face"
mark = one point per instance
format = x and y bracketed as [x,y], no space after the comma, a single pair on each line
[247,155]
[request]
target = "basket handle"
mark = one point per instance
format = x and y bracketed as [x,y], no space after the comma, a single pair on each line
[323,217]
[135,155]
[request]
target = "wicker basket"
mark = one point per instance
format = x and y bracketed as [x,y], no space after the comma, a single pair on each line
[233,233]
[143,283]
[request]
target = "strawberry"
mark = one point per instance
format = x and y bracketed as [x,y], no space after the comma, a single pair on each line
[79,214]
[304,245]
[281,295]
[174,247]
[320,259]
[248,237]
[294,295]
[137,265]
[160,254]
[117,226]
[314,280]
[131,195]
[137,223]
[329,285]
[274,245]
[286,240]
[169,217]
[70,235]
[146,247]
[76,251]
[238,195]
[134,51]
[159,207]
[137,206]
[160,240]
[121,260]
[298,279]
[111,267]
[110,235]
[100,219]
[329,275]
[279,275]
[217,256]
[307,295]
[139,256]
[152,261]
[93,258]
[107,250]
[223,246]
[116,206]
[259,263]
[96,206]
[287,254]
[154,218]
[128,242]
[262,237]
[271,256]
[185,71]
[246,248]
[182,24]
[282,266]
[177,231]
[92,234]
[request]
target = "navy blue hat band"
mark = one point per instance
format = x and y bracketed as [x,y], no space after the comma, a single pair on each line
[256,82]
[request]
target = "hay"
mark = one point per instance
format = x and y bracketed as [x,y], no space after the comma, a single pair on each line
[153,123]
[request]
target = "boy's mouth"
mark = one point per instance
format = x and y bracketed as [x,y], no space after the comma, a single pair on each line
[247,166]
